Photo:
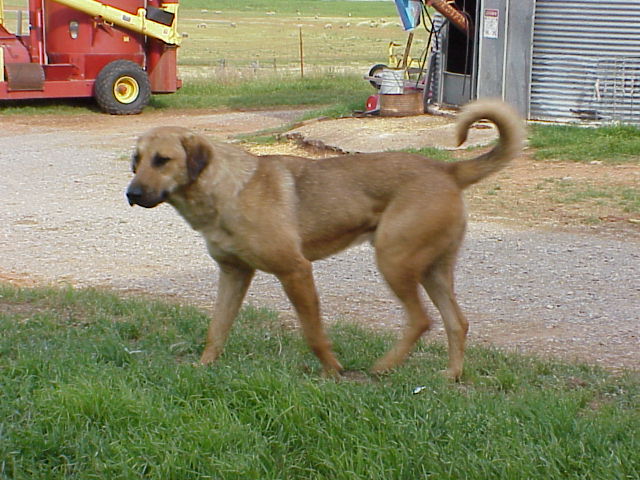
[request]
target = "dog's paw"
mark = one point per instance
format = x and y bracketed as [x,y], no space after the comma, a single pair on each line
[451,374]
[335,373]
[208,357]
[383,366]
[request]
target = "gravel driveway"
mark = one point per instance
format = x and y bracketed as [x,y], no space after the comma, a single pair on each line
[65,220]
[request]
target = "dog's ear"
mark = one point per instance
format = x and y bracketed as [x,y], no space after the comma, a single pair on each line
[199,154]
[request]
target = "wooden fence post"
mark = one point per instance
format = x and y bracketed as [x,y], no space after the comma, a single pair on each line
[301,52]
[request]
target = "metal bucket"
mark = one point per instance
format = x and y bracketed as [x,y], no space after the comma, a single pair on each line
[392,82]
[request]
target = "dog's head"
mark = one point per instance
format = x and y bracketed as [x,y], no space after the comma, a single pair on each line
[165,160]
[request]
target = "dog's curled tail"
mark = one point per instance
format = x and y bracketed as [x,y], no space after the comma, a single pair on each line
[512,133]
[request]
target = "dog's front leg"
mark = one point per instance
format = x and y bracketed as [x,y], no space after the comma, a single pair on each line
[233,284]
[299,287]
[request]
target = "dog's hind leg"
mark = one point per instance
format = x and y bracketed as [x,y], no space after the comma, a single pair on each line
[402,274]
[412,236]
[233,284]
[438,282]
[299,286]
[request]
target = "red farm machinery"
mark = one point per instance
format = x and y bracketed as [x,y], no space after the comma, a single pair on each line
[117,51]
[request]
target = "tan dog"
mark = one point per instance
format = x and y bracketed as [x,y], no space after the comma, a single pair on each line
[280,213]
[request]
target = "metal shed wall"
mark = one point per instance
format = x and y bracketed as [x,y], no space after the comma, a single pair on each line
[586,60]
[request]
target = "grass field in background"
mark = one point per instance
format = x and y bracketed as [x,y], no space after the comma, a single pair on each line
[569,191]
[325,8]
[338,35]
[615,144]
[344,91]
[97,386]
[334,96]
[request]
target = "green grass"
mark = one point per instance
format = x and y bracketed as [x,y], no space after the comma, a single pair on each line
[69,106]
[96,386]
[332,8]
[435,153]
[336,8]
[343,90]
[615,144]
[627,199]
[332,95]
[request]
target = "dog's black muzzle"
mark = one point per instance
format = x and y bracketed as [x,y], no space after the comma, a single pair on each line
[137,196]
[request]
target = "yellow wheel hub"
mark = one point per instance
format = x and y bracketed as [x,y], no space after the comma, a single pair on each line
[126,89]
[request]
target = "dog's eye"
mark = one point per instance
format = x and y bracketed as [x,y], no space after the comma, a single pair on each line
[135,159]
[159,160]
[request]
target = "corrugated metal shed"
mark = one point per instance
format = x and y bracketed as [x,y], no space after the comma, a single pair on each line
[586,60]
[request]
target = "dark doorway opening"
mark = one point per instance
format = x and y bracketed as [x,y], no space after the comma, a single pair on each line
[460,47]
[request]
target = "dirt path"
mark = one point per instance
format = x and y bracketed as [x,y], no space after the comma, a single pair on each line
[525,283]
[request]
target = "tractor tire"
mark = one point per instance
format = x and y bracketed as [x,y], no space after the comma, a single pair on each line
[122,88]
[376,71]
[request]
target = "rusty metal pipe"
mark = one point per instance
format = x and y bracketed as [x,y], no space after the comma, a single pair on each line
[452,13]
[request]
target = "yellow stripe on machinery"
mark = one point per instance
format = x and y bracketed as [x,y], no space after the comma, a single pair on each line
[135,22]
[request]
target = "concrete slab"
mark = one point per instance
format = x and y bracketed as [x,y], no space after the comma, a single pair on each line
[377,134]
